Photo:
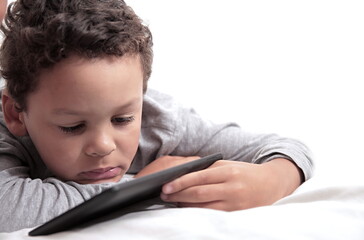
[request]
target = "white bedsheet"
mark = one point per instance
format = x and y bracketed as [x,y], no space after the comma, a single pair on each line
[319,209]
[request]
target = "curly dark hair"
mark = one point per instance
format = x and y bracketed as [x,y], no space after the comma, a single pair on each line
[40,33]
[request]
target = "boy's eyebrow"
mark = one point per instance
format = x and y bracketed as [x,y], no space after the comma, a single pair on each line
[68,111]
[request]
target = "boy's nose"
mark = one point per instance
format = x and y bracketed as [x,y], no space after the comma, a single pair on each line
[99,146]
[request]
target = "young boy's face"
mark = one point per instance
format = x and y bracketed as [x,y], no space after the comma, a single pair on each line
[85,117]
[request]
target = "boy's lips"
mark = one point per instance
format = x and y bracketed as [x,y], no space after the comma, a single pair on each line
[102,173]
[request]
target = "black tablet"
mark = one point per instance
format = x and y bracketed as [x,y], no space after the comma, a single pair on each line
[121,196]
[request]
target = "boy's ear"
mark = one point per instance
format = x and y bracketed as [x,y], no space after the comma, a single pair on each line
[13,118]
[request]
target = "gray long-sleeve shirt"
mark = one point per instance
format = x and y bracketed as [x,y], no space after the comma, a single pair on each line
[30,195]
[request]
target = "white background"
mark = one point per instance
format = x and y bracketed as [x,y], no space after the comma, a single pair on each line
[295,68]
[290,67]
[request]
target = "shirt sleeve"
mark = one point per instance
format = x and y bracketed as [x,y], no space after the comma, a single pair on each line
[171,129]
[201,137]
[26,202]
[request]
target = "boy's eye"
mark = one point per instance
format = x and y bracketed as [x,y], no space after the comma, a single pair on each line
[72,129]
[78,128]
[122,120]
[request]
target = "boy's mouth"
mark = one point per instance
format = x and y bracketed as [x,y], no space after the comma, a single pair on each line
[102,173]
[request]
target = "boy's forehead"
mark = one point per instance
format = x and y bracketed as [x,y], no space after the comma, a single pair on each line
[76,67]
[92,84]
[81,73]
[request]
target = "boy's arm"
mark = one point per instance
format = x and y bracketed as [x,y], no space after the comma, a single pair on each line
[265,167]
[202,137]
[26,203]
[170,129]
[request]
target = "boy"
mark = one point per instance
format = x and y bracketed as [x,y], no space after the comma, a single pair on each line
[77,116]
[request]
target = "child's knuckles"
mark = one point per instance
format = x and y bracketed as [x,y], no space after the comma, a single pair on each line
[180,184]
[234,172]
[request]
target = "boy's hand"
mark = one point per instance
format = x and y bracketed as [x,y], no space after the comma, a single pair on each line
[231,185]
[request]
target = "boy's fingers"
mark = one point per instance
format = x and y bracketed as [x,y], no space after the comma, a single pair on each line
[197,194]
[203,177]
